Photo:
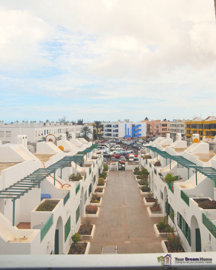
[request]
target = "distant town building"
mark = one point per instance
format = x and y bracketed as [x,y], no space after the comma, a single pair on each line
[205,128]
[124,129]
[39,131]
[157,127]
[177,126]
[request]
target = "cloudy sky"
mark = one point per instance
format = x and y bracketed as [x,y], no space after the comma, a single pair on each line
[107,59]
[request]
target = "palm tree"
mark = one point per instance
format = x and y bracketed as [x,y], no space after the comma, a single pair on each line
[97,126]
[68,135]
[85,131]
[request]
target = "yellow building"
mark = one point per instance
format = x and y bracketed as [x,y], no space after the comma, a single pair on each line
[206,127]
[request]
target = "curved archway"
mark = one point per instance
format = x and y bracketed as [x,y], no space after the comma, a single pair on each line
[82,202]
[59,237]
[196,244]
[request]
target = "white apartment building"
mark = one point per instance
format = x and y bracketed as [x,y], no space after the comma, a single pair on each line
[38,131]
[188,200]
[124,129]
[177,127]
[40,208]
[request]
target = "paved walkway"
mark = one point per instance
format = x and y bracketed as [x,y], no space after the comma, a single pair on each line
[123,219]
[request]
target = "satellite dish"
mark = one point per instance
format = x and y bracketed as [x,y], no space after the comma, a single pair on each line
[51,138]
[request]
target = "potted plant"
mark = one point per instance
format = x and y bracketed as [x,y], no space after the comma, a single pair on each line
[95,199]
[105,167]
[101,181]
[169,178]
[143,182]
[155,207]
[75,177]
[76,247]
[157,163]
[103,175]
[173,243]
[87,229]
[92,210]
[162,228]
[145,188]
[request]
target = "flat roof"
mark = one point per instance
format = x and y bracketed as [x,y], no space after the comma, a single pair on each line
[5,165]
[44,157]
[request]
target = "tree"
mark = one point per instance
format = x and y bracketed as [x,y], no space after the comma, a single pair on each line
[68,135]
[85,131]
[80,122]
[97,127]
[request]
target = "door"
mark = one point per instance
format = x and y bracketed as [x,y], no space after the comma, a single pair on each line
[57,242]
[198,240]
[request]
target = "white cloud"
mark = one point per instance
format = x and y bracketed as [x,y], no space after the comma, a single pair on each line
[113,49]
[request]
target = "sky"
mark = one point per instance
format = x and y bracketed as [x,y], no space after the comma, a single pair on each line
[107,59]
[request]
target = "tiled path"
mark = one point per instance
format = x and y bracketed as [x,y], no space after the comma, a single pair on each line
[123,219]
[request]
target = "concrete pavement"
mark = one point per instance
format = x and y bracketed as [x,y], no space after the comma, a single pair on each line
[123,219]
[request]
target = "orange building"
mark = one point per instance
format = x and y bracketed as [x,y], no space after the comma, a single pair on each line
[157,127]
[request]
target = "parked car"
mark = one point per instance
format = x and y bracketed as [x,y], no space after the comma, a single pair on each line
[131,158]
[105,154]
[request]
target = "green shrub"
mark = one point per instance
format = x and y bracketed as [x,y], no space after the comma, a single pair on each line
[101,181]
[105,167]
[95,199]
[144,171]
[144,177]
[136,171]
[143,182]
[169,178]
[163,226]
[145,189]
[174,243]
[75,177]
[76,238]
[103,175]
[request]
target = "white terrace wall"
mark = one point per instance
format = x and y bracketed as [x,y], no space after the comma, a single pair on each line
[205,188]
[55,193]
[15,173]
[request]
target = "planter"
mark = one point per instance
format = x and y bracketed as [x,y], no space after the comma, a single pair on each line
[148,203]
[102,186]
[99,193]
[97,204]
[160,234]
[47,205]
[144,193]
[91,235]
[164,245]
[93,215]
[205,203]
[154,214]
[83,248]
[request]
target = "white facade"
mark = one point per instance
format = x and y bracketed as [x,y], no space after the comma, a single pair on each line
[38,131]
[124,129]
[195,226]
[177,126]
[16,164]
